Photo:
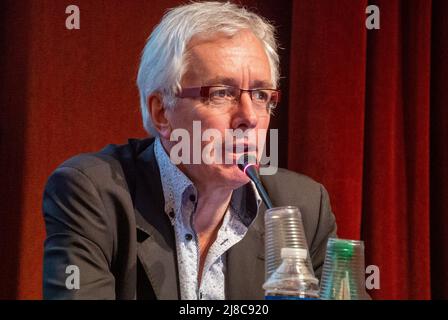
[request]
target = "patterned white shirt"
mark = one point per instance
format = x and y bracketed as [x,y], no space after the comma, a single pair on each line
[180,204]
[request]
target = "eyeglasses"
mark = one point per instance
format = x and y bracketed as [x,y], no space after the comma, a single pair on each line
[222,96]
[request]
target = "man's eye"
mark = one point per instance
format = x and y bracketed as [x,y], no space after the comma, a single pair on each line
[260,96]
[221,93]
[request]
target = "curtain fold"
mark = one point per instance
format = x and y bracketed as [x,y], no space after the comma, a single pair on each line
[326,95]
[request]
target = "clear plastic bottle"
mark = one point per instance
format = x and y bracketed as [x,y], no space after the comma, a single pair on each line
[292,280]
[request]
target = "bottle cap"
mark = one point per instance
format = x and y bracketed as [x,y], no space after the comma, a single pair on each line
[294,253]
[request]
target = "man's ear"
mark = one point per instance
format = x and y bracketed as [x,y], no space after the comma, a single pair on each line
[157,112]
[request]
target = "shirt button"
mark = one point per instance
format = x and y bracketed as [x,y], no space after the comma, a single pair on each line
[171,214]
[192,198]
[188,237]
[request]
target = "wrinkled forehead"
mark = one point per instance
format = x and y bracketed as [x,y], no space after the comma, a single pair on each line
[233,58]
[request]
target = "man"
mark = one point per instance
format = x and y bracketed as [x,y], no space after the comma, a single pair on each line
[134,224]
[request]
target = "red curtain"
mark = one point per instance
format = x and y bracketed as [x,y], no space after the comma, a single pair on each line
[361,124]
[364,113]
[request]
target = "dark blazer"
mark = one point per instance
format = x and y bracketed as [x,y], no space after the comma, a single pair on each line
[104,213]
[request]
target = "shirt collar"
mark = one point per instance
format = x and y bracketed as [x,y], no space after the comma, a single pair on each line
[174,182]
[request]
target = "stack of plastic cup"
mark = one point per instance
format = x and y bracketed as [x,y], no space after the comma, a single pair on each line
[283,229]
[343,274]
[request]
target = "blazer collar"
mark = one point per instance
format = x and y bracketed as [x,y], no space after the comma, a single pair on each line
[155,236]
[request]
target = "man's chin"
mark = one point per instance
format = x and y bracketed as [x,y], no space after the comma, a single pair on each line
[232,176]
[238,176]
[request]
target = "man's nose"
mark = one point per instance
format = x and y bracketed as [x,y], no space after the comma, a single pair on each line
[245,116]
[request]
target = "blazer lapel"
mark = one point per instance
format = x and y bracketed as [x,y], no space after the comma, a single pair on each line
[245,263]
[155,236]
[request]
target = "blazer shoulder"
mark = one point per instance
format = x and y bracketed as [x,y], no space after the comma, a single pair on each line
[108,160]
[285,178]
[300,177]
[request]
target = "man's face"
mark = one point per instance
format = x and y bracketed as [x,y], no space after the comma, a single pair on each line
[238,61]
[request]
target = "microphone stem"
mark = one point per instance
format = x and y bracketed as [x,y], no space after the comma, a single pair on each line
[250,170]
[263,194]
[261,190]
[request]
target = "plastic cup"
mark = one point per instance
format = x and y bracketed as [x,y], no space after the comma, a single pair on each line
[343,274]
[283,229]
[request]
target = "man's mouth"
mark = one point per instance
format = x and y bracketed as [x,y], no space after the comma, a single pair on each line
[241,148]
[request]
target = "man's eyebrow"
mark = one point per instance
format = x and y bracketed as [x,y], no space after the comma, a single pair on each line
[232,82]
[221,80]
[265,84]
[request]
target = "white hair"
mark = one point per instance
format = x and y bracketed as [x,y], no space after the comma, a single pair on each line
[164,62]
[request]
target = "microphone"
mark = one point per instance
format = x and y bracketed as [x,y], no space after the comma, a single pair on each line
[248,165]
